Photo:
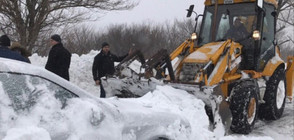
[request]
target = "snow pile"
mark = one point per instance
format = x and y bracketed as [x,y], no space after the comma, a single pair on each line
[73,122]
[27,133]
[46,117]
[180,102]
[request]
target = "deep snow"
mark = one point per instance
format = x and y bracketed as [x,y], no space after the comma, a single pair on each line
[164,97]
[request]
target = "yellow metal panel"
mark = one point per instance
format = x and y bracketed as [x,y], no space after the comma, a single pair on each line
[187,43]
[290,76]
[206,53]
[271,66]
[232,77]
[216,56]
[218,73]
[211,2]
[196,60]
[224,88]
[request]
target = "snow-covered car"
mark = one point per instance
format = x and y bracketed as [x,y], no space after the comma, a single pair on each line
[37,104]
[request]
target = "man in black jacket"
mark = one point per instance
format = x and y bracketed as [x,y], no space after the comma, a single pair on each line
[6,52]
[59,58]
[238,32]
[103,65]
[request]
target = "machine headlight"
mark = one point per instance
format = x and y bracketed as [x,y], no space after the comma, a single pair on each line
[194,36]
[256,35]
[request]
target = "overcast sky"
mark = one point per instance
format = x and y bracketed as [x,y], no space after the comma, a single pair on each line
[153,11]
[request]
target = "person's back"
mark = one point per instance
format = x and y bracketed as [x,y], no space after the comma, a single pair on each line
[59,58]
[16,47]
[6,52]
[59,61]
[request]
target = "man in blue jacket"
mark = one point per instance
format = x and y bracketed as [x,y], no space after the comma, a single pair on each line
[6,52]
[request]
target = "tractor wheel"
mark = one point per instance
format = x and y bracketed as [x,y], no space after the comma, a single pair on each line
[274,97]
[244,106]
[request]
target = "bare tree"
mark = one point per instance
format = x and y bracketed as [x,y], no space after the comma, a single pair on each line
[80,39]
[26,19]
[285,13]
[178,32]
[146,37]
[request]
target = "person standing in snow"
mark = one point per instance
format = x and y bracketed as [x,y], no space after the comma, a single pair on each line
[15,46]
[103,65]
[59,58]
[6,52]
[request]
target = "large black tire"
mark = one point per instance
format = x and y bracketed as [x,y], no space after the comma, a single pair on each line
[244,106]
[275,96]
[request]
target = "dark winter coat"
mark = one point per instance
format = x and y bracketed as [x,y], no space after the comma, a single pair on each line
[237,33]
[7,53]
[59,61]
[18,48]
[104,64]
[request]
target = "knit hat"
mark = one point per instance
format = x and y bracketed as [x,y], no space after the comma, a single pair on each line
[56,37]
[104,44]
[4,40]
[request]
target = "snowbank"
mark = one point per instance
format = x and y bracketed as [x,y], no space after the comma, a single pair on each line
[168,98]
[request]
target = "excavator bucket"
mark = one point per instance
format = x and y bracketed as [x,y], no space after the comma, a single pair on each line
[216,107]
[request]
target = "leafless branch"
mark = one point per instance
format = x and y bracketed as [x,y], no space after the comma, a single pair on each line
[28,18]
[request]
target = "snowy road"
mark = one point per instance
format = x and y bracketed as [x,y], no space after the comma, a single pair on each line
[281,129]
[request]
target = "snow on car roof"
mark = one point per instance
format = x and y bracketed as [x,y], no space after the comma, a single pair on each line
[14,66]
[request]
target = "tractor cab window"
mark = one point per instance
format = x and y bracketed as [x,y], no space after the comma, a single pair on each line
[224,26]
[232,22]
[267,49]
[206,27]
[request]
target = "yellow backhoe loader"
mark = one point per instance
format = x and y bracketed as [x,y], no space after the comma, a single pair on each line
[233,63]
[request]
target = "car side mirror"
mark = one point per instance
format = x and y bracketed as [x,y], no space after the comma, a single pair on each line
[190,10]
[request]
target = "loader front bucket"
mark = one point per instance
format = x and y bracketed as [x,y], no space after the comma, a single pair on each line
[216,107]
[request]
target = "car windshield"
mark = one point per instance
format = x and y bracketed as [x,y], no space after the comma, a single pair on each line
[233,21]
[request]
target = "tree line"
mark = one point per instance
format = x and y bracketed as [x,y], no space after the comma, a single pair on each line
[145,37]
[32,22]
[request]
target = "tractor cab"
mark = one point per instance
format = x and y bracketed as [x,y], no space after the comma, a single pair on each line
[243,22]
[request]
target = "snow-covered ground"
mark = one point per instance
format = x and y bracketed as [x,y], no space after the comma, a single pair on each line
[174,100]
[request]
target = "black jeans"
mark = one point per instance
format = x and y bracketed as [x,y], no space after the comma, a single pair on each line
[102,91]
